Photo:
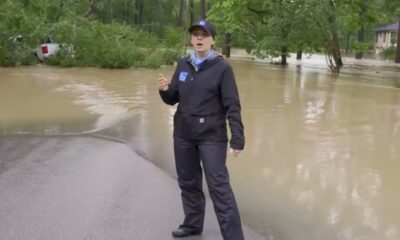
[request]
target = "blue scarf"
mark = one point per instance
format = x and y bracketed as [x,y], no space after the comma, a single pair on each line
[197,61]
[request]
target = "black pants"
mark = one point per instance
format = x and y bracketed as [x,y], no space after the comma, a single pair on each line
[212,155]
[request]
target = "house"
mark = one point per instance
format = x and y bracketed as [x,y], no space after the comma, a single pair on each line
[385,37]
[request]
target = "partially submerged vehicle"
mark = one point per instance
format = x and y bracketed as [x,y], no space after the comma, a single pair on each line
[46,49]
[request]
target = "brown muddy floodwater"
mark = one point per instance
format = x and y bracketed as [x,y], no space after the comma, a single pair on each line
[322,155]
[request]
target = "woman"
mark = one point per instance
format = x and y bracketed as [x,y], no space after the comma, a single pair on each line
[204,86]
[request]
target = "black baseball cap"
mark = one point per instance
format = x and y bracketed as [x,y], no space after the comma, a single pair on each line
[205,25]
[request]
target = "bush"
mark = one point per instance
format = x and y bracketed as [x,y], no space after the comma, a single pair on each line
[360,46]
[389,53]
[170,56]
[15,52]
[6,59]
[64,57]
[174,37]
[113,45]
[155,58]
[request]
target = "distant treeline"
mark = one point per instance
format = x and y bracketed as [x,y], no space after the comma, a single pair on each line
[147,33]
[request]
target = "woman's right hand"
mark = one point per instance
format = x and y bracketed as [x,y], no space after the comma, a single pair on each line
[163,83]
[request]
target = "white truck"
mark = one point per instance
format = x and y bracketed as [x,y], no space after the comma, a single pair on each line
[46,49]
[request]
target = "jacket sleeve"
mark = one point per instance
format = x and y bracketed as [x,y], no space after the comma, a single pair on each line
[231,103]
[171,96]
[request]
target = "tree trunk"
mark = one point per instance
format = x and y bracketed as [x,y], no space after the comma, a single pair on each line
[333,40]
[336,50]
[180,16]
[191,12]
[397,60]
[203,9]
[284,55]
[347,43]
[299,54]
[226,47]
[138,11]
[360,39]
[91,9]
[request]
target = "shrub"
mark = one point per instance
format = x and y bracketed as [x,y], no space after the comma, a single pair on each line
[170,56]
[6,59]
[95,44]
[152,60]
[389,53]
[15,52]
[64,57]
[174,37]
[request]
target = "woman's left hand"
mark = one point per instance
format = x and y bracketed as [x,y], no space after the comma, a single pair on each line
[235,152]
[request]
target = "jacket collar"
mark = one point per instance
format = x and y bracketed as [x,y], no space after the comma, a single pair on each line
[206,64]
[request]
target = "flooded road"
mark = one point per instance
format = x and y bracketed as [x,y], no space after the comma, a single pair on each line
[321,156]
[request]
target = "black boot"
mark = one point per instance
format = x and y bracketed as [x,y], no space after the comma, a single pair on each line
[181,232]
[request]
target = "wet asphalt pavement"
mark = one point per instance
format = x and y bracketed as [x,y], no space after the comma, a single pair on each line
[88,188]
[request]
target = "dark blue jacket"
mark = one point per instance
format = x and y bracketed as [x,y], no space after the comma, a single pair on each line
[207,98]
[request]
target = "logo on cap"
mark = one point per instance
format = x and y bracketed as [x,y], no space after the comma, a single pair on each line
[202,23]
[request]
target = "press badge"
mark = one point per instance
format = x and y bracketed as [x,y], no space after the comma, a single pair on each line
[182,76]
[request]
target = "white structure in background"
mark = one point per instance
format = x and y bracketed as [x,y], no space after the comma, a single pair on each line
[385,37]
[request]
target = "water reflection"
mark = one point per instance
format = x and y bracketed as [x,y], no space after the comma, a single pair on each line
[321,156]
[321,141]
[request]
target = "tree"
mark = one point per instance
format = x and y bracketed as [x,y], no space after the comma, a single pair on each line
[181,11]
[228,17]
[91,9]
[397,59]
[392,10]
[276,27]
[357,17]
[203,9]
[333,36]
[306,34]
[191,12]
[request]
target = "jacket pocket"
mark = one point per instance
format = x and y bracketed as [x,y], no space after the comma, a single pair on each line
[213,125]
[183,125]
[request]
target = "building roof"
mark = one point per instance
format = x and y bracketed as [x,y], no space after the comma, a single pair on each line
[388,28]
